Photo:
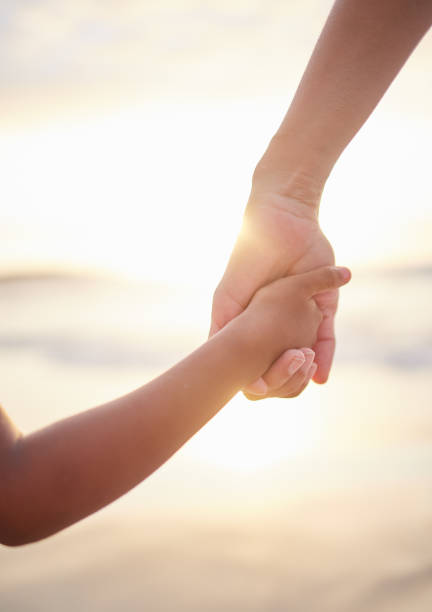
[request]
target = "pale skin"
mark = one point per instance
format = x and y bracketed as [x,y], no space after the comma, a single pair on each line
[361,49]
[58,475]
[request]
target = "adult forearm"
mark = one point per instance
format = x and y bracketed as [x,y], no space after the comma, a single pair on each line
[66,471]
[361,49]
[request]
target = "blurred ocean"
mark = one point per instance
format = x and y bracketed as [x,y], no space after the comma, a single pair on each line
[319,503]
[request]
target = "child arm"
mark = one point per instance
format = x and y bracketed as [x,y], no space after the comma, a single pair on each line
[70,469]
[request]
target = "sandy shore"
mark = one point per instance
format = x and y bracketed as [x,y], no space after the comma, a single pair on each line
[320,505]
[346,552]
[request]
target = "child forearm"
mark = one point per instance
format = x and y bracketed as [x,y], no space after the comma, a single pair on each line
[66,471]
[62,473]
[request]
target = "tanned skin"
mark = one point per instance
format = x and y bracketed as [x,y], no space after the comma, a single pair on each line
[60,474]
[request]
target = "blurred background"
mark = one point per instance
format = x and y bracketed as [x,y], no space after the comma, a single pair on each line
[128,136]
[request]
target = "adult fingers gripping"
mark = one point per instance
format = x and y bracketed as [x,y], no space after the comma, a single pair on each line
[324,348]
[224,308]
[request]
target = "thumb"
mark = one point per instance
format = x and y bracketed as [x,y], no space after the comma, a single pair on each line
[224,308]
[245,273]
[324,279]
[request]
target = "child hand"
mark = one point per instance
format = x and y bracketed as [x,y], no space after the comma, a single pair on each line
[284,314]
[288,377]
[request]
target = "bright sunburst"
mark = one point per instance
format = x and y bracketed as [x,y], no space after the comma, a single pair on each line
[152,194]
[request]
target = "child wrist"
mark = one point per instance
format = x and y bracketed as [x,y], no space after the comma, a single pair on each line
[252,346]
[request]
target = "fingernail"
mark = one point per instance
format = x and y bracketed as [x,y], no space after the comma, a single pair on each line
[308,352]
[259,387]
[344,273]
[296,364]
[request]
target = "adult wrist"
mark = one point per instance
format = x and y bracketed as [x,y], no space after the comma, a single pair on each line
[291,168]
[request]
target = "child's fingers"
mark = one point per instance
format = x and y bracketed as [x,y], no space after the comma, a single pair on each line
[258,387]
[323,279]
[306,381]
[279,373]
[296,383]
[276,378]
[285,367]
[286,378]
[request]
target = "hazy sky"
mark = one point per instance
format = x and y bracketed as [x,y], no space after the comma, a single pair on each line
[130,130]
[87,53]
[60,56]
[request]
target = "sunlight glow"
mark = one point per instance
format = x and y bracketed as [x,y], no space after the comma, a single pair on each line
[158,194]
[152,194]
[242,438]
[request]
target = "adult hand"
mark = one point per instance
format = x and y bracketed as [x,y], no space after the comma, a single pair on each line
[280,236]
[360,50]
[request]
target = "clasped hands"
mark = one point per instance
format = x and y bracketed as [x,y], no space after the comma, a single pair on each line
[280,237]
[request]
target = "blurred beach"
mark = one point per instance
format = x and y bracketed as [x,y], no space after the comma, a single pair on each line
[128,138]
[318,503]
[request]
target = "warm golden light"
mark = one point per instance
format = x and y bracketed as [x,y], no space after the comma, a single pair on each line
[240,439]
[142,195]
[129,136]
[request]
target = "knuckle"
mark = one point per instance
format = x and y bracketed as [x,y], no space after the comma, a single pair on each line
[328,276]
[334,276]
